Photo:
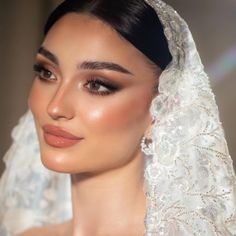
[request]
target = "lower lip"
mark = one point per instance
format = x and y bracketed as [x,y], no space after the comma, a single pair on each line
[59,142]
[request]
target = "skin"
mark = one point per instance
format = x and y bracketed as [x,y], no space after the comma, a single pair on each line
[107,165]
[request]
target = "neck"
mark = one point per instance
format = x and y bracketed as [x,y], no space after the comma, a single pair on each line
[110,201]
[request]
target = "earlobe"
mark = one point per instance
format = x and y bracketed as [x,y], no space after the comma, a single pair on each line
[151,119]
[148,130]
[147,133]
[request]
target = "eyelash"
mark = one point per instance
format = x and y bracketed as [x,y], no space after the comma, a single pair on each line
[110,88]
[39,69]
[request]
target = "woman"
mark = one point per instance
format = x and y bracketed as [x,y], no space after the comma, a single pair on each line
[101,68]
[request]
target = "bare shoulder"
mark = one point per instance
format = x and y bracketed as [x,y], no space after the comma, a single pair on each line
[63,229]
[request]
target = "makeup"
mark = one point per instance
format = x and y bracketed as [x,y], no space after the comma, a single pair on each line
[42,73]
[56,137]
[97,86]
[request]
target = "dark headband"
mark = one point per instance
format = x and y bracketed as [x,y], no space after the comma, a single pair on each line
[150,39]
[147,35]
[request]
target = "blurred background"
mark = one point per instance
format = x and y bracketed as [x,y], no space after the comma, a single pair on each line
[212,23]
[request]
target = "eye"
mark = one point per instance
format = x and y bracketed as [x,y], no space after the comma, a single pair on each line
[100,87]
[43,73]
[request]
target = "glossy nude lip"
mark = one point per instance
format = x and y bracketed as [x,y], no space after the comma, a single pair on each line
[57,137]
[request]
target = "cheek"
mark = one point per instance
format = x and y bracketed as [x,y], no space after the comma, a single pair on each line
[114,126]
[35,100]
[39,98]
[116,114]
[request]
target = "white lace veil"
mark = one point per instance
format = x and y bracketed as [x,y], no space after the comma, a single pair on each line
[30,195]
[190,181]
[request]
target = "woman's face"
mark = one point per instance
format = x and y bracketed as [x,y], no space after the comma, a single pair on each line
[95,85]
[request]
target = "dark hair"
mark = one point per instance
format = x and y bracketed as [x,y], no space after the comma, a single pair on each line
[135,20]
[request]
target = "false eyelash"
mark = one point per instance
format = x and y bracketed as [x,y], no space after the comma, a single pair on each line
[110,86]
[38,69]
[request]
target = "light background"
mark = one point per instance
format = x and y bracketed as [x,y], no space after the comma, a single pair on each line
[212,23]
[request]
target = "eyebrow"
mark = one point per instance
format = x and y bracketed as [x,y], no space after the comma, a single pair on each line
[99,65]
[43,51]
[87,65]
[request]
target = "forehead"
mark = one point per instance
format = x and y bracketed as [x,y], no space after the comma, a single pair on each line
[80,31]
[84,37]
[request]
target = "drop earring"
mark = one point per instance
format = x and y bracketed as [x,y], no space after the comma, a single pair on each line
[147,142]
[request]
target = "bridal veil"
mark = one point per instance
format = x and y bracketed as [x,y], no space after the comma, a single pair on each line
[190,183]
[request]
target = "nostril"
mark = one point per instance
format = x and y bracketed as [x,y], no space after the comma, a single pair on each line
[58,109]
[61,103]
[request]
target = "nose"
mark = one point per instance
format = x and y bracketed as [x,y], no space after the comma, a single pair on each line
[61,105]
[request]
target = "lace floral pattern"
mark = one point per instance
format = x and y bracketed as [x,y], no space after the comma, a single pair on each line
[189,177]
[190,181]
[30,195]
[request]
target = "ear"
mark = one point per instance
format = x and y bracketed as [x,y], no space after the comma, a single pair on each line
[151,121]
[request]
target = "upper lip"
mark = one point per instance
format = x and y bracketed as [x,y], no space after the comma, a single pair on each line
[57,131]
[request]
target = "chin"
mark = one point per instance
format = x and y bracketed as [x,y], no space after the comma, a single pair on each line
[58,163]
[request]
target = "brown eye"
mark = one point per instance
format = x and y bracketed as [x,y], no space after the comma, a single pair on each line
[100,87]
[43,73]
[95,86]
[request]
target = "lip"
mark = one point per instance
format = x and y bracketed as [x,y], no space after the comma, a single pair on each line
[57,137]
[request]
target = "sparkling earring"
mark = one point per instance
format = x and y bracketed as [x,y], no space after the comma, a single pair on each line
[147,143]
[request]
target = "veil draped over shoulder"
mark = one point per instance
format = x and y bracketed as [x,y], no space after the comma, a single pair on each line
[189,178]
[30,194]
